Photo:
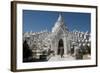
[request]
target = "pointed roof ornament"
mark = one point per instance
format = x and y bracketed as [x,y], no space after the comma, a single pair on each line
[31,32]
[59,23]
[60,18]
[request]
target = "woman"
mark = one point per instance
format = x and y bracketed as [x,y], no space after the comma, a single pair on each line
[61,51]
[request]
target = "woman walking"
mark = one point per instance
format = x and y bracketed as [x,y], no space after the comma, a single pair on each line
[61,51]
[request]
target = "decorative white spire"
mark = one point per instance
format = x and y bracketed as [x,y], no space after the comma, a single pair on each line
[59,22]
[60,19]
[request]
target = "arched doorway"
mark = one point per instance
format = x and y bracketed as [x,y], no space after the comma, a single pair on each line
[60,47]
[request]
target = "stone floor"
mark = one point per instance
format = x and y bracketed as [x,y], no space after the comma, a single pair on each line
[66,58]
[58,58]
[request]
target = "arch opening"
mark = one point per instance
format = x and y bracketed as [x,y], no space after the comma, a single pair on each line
[60,47]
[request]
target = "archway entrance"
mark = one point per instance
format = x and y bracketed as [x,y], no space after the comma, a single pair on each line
[60,47]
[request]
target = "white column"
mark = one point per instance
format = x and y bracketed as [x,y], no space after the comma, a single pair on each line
[56,47]
[53,46]
[65,44]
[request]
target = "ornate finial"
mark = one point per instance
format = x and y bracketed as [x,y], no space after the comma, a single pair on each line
[60,17]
